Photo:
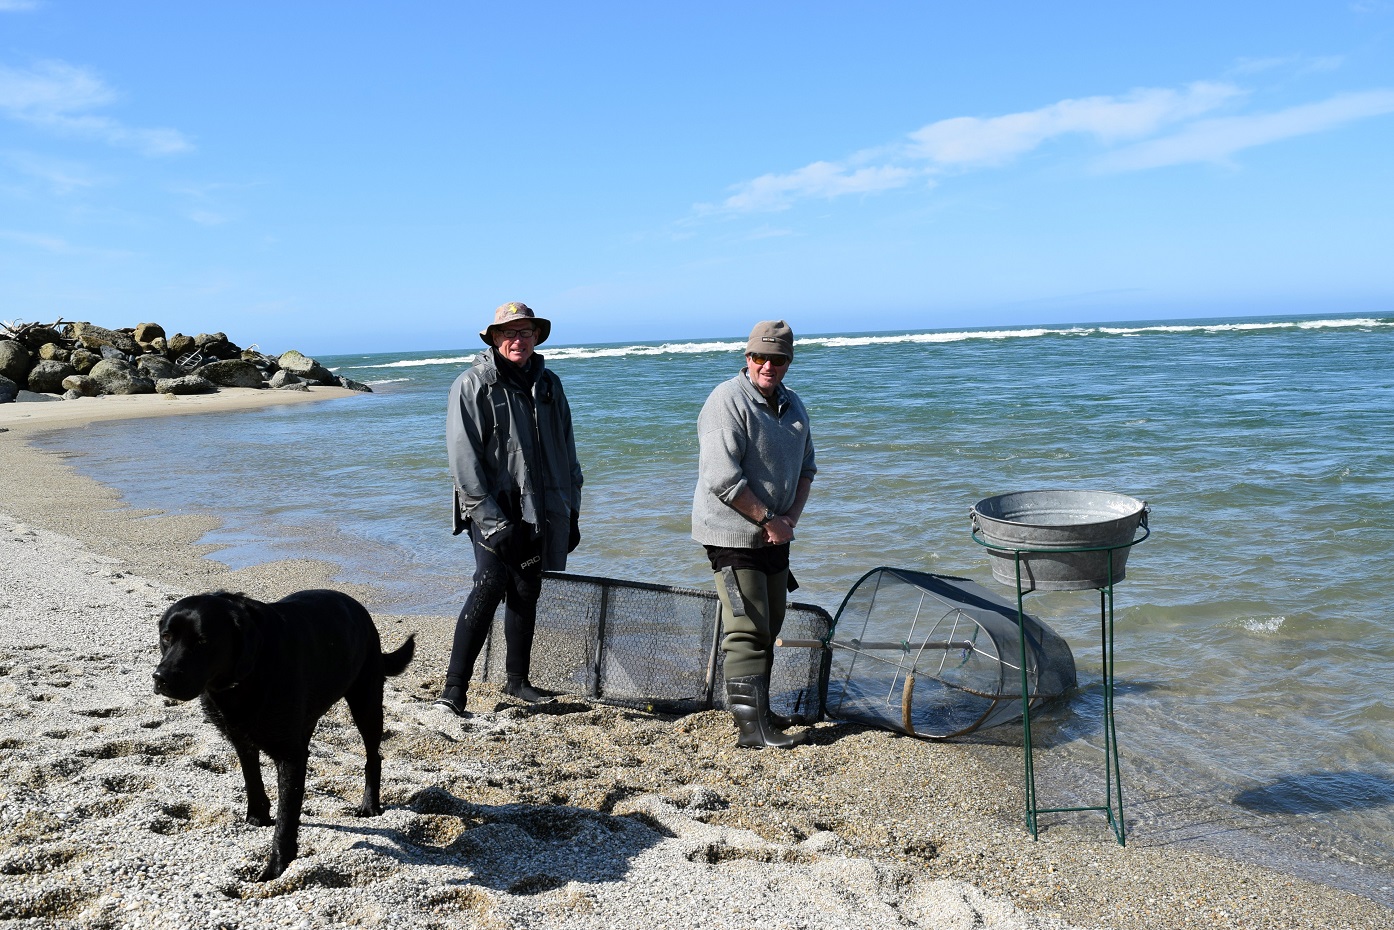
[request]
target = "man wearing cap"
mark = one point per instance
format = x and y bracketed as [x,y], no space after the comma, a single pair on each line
[755,468]
[517,492]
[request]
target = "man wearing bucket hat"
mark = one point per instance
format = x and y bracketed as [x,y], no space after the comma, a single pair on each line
[755,469]
[517,491]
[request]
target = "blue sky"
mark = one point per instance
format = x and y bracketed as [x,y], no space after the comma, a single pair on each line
[342,176]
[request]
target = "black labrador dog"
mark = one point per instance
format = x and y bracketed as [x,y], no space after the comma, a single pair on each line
[266,673]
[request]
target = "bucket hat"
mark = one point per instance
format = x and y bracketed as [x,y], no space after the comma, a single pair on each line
[513,312]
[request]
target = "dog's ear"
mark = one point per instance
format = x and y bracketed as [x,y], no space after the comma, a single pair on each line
[248,626]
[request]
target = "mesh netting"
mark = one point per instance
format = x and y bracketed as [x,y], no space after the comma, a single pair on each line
[937,656]
[648,645]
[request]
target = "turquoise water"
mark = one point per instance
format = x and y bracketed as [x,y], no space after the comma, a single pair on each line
[1255,643]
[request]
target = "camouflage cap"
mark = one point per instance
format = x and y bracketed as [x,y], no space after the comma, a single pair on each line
[514,312]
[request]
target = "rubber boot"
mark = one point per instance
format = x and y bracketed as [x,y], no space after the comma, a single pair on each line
[453,700]
[519,687]
[749,701]
[778,721]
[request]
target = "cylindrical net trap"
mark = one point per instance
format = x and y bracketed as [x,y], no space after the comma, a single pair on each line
[936,656]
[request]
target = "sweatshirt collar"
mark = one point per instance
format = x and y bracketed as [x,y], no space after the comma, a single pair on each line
[779,403]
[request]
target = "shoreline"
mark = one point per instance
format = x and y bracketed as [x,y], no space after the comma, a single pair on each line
[930,828]
[59,414]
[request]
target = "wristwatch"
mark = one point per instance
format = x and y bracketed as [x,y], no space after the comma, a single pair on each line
[769,515]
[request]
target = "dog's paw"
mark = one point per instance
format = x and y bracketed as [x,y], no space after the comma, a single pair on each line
[260,820]
[367,810]
[273,869]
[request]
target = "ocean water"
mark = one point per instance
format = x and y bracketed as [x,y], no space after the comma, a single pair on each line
[1255,641]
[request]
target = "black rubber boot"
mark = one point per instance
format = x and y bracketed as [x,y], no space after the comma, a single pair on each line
[519,687]
[778,721]
[749,701]
[453,700]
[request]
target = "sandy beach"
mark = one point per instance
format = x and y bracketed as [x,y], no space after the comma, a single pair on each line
[120,808]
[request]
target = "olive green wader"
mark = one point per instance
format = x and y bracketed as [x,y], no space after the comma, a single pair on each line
[750,629]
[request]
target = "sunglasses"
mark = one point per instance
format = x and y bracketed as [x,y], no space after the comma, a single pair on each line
[778,361]
[528,333]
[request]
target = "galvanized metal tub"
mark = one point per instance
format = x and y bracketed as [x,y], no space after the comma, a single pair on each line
[1101,523]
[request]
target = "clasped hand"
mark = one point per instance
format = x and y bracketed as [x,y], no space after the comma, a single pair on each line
[779,530]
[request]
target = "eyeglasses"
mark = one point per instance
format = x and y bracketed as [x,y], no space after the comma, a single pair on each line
[528,333]
[778,361]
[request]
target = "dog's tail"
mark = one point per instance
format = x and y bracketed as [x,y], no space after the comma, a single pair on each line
[395,662]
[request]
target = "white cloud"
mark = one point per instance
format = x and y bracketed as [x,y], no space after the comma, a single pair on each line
[36,240]
[18,6]
[1297,64]
[820,179]
[57,245]
[207,218]
[56,96]
[1215,140]
[62,176]
[968,141]
[1147,128]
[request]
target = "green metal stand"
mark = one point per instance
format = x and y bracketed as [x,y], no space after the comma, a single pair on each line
[1113,783]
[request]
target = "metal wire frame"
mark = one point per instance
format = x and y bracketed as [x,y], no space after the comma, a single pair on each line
[1113,780]
[590,628]
[906,655]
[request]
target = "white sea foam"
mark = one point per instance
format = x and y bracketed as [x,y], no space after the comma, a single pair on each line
[1263,624]
[419,362]
[927,338]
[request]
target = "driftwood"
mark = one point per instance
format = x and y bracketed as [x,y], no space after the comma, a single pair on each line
[14,329]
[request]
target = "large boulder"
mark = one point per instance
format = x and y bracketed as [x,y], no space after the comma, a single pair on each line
[94,337]
[217,345]
[267,364]
[233,372]
[82,384]
[353,385]
[8,390]
[185,384]
[83,360]
[53,352]
[180,344]
[146,333]
[306,368]
[156,367]
[294,362]
[46,377]
[117,377]
[283,378]
[14,361]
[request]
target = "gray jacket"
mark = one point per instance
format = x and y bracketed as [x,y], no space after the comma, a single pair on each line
[513,455]
[746,440]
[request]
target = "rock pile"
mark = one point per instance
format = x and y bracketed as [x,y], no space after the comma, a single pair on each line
[75,360]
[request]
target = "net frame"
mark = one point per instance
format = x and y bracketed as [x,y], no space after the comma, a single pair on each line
[952,668]
[655,647]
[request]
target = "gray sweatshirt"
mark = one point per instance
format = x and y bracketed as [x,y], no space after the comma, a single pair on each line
[746,440]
